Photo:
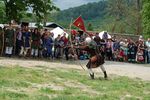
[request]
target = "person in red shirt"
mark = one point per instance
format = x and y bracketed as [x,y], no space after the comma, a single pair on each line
[64,49]
[121,55]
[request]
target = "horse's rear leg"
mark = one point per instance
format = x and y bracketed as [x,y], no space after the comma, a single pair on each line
[104,71]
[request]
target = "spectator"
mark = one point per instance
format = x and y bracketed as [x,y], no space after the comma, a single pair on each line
[64,48]
[139,56]
[121,55]
[35,43]
[1,41]
[148,50]
[141,50]
[26,42]
[57,47]
[109,49]
[9,40]
[19,40]
[124,47]
[131,51]
[47,45]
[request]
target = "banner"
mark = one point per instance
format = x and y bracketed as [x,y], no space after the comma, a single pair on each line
[79,23]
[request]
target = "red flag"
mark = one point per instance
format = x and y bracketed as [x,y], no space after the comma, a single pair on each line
[79,23]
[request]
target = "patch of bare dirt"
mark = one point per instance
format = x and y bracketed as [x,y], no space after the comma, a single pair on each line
[141,71]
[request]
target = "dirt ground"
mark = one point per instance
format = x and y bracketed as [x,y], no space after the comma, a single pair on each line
[141,71]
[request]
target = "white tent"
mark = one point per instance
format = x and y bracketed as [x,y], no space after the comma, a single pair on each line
[1,25]
[58,31]
[104,34]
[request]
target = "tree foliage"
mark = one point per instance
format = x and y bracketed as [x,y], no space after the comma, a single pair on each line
[14,8]
[146,18]
[121,16]
[90,13]
[2,12]
[126,13]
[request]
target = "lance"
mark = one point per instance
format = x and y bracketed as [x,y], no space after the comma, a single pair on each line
[72,44]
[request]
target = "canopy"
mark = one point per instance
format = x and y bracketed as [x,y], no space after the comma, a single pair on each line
[58,31]
[53,25]
[104,35]
[1,25]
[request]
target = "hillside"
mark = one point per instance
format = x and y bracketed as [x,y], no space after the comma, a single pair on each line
[93,13]
[113,16]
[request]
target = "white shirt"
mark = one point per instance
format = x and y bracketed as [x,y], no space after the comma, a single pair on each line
[148,45]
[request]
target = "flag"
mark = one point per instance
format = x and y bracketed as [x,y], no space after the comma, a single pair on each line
[79,23]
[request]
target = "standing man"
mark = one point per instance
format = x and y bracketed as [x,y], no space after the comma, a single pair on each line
[148,50]
[9,40]
[26,41]
[1,41]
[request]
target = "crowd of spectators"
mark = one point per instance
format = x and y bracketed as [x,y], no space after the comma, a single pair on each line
[25,42]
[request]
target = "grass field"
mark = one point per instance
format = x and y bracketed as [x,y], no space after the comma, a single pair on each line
[42,83]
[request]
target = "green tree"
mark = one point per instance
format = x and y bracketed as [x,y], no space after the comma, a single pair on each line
[14,8]
[146,18]
[90,27]
[127,15]
[2,12]
[133,16]
[42,8]
[117,9]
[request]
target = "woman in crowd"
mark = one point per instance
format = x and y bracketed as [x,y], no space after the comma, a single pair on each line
[140,51]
